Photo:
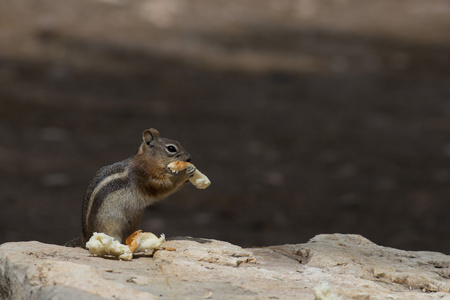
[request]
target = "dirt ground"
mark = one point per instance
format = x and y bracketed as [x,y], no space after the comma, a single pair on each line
[308,116]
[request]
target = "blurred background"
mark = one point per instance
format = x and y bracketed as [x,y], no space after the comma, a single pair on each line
[308,116]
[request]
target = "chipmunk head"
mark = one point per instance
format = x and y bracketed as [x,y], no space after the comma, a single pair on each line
[162,149]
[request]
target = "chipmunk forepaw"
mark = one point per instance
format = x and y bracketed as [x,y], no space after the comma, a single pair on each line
[190,170]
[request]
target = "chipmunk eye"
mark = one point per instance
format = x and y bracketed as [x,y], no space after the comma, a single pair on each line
[171,148]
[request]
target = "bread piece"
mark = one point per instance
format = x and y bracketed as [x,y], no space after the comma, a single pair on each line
[178,165]
[144,241]
[103,245]
[199,180]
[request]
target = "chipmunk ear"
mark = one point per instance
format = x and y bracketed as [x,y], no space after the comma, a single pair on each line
[149,135]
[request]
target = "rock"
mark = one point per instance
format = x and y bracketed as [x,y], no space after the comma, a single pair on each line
[327,267]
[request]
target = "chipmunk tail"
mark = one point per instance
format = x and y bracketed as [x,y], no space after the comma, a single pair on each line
[75,243]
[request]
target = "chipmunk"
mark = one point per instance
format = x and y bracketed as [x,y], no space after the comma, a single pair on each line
[116,199]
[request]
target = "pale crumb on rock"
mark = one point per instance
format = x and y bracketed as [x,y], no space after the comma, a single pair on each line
[324,292]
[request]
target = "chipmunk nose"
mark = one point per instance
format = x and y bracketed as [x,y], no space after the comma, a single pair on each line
[188,159]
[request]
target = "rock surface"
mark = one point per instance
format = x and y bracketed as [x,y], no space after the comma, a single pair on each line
[194,268]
